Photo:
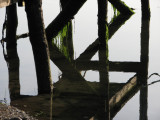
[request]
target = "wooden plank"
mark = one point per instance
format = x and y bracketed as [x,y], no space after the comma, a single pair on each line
[123,96]
[4,3]
[113,66]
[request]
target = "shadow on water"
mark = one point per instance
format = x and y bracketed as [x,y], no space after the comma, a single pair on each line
[74,98]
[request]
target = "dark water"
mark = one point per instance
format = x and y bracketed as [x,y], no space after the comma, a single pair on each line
[77,82]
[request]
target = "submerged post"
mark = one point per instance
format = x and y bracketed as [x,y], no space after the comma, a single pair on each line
[39,44]
[103,59]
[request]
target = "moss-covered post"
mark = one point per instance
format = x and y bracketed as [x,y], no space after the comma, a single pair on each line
[145,6]
[39,44]
[66,36]
[103,59]
[12,58]
[13,70]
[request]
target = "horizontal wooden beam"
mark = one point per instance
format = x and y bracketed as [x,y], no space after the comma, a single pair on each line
[113,66]
[4,3]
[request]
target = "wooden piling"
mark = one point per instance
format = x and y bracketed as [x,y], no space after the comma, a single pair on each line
[143,73]
[11,26]
[103,58]
[39,44]
[11,57]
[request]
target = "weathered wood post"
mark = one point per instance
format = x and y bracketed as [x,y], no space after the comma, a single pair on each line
[39,44]
[12,58]
[143,75]
[103,58]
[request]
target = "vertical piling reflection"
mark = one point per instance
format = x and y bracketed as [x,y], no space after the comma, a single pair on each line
[66,37]
[103,59]
[143,75]
[145,6]
[11,57]
[39,45]
[13,68]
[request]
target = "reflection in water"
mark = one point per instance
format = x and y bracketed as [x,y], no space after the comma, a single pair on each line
[64,41]
[11,56]
[73,97]
[38,40]
[104,109]
[144,69]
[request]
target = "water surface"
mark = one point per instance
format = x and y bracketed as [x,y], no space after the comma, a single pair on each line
[124,46]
